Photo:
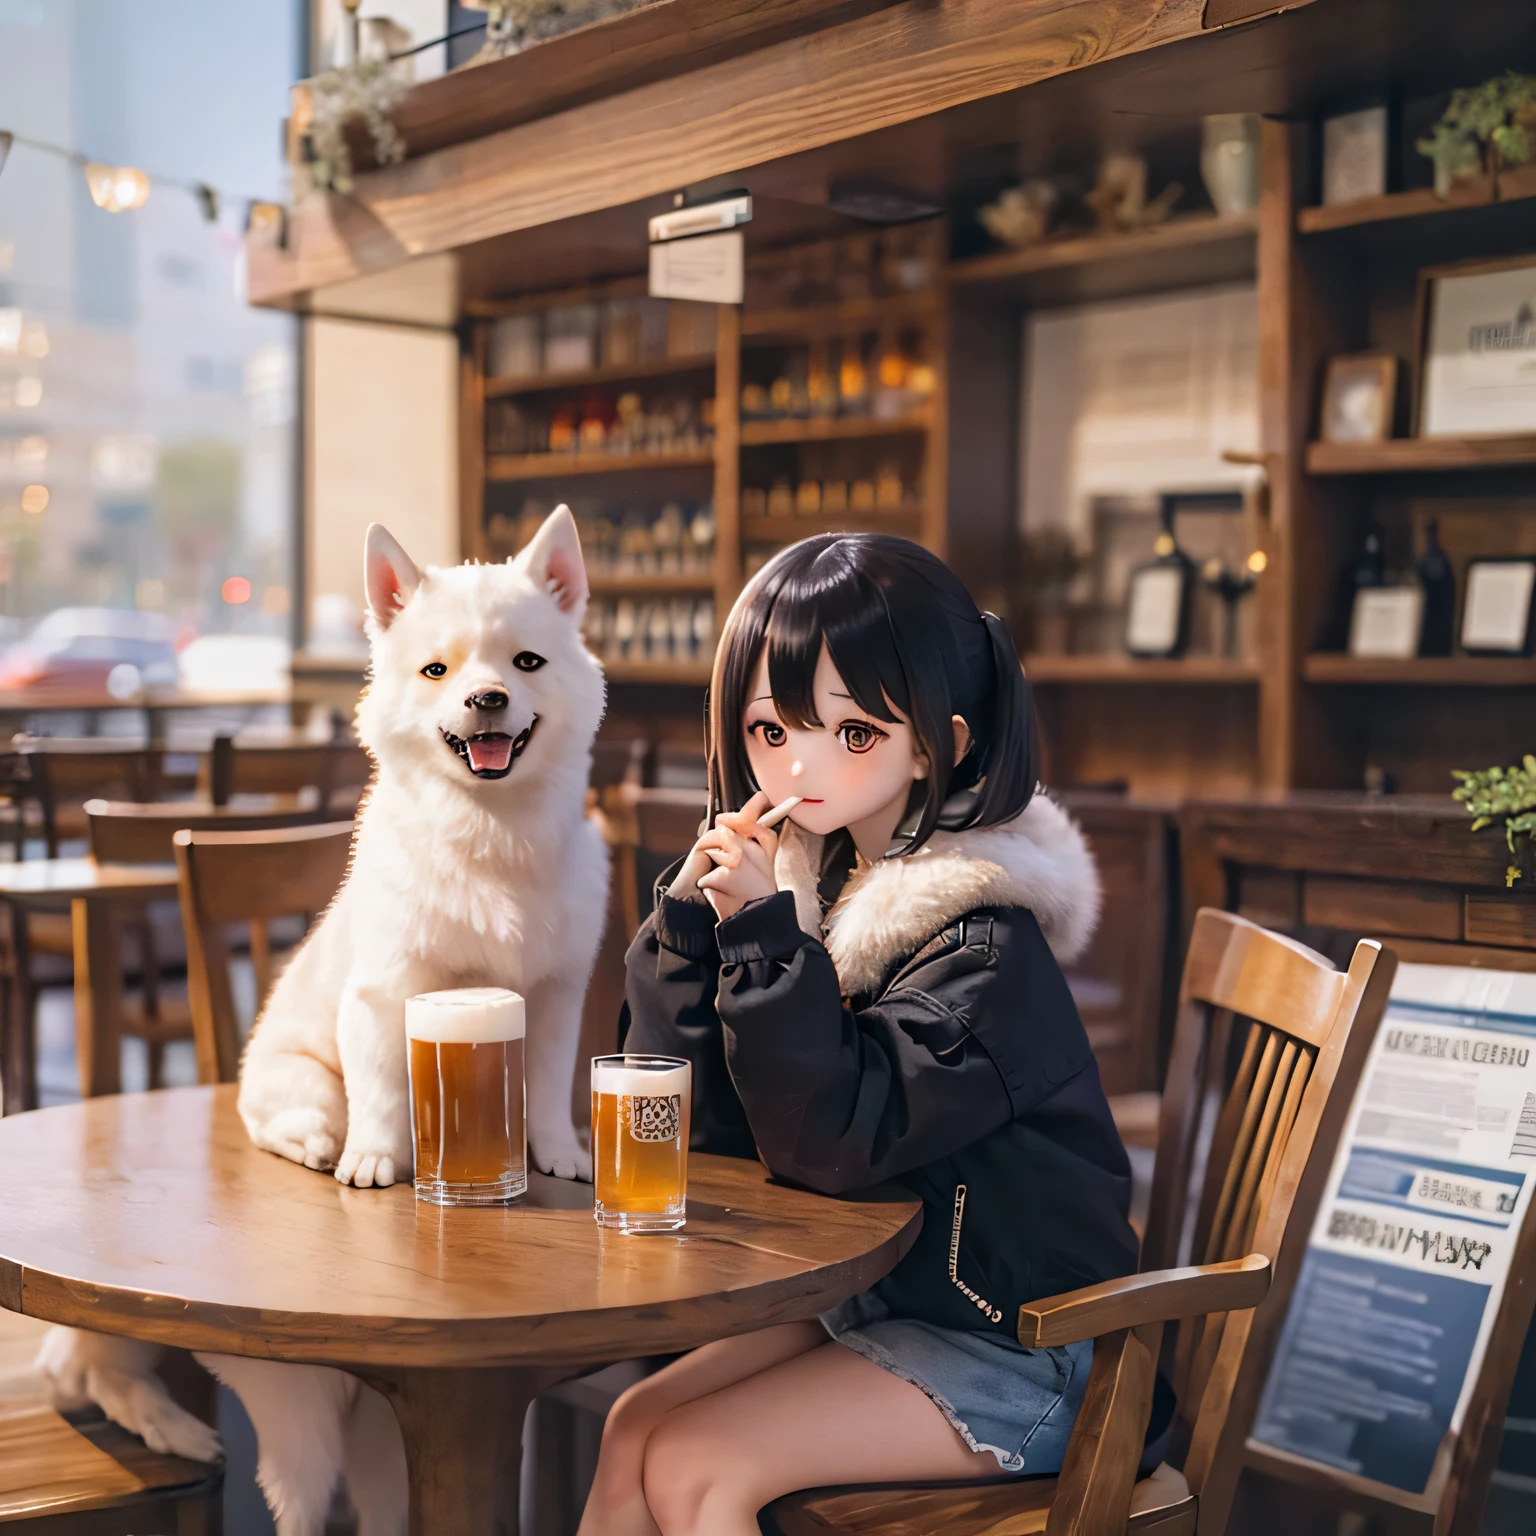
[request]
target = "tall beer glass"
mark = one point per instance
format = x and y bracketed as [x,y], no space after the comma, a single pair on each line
[467,1121]
[640,1108]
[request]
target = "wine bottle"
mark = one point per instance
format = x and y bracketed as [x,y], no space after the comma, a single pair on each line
[1439,584]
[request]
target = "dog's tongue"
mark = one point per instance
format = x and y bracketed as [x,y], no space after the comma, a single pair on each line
[489,753]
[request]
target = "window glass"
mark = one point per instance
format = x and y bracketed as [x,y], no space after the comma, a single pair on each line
[147,414]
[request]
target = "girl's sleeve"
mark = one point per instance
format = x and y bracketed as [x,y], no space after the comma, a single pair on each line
[671,973]
[840,1099]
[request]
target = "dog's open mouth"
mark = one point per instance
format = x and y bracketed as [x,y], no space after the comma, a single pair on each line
[490,754]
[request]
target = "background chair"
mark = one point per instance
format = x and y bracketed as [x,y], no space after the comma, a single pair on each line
[338,770]
[1300,1032]
[125,833]
[248,878]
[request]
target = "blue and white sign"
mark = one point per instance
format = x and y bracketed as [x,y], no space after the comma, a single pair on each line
[1410,1252]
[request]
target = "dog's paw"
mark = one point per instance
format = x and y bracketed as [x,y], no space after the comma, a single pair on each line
[304,1135]
[172,1431]
[366,1170]
[566,1159]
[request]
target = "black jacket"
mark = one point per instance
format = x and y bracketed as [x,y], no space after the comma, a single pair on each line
[964,1074]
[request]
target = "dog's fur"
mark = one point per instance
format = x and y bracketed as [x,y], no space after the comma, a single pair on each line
[459,877]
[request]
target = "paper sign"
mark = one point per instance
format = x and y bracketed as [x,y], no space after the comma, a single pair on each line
[708,268]
[1410,1252]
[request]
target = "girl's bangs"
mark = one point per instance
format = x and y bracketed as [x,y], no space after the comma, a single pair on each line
[831,602]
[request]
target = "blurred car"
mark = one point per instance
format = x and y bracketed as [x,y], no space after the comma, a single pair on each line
[88,650]
[236,664]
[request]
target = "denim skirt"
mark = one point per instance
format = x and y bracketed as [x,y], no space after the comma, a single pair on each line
[1017,1403]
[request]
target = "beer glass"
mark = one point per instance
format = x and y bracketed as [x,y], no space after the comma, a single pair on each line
[466,1068]
[640,1108]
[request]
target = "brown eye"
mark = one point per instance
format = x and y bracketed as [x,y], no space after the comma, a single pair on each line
[859,738]
[771,732]
[527,661]
[434,669]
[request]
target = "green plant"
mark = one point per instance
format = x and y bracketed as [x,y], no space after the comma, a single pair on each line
[1485,127]
[1502,794]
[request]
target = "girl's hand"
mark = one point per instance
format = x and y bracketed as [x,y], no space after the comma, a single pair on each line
[741,855]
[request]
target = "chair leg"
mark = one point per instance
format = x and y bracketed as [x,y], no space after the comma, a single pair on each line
[155,1051]
[20,1066]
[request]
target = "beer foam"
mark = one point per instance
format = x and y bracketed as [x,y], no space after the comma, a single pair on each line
[465,1016]
[646,1082]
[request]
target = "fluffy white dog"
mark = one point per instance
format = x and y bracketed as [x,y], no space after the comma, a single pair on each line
[474,865]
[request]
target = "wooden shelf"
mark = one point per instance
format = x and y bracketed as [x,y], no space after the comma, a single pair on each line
[692,673]
[617,373]
[1183,253]
[1400,455]
[556,466]
[906,521]
[1421,671]
[843,318]
[1474,192]
[649,584]
[816,429]
[1118,669]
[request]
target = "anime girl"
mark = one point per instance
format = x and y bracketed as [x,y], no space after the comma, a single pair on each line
[875,992]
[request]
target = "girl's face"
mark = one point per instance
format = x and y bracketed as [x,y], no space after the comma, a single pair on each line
[851,771]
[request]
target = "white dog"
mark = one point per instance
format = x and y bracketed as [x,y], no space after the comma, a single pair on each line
[474,865]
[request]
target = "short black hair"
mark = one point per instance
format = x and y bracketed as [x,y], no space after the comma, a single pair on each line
[902,631]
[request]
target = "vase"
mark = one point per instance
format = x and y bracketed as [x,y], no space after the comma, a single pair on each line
[1229,161]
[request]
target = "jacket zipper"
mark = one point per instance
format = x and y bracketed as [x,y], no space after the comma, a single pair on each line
[981,1304]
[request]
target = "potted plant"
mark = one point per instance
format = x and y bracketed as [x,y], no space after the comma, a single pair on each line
[1507,795]
[1486,128]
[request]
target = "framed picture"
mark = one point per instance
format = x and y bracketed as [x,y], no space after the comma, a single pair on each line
[1157,609]
[1386,621]
[1359,397]
[1355,155]
[1477,348]
[1496,616]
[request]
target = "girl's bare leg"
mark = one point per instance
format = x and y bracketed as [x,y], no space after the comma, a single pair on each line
[825,1416]
[616,1505]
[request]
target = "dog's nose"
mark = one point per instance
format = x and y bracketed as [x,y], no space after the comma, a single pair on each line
[487,698]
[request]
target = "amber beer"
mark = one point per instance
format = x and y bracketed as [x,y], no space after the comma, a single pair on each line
[467,1119]
[640,1107]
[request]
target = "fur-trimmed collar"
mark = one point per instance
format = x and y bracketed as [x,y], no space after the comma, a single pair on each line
[889,910]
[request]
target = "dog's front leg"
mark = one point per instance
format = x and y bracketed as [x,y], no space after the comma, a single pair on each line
[554,1037]
[370,1039]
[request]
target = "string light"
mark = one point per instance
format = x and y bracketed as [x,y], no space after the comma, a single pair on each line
[116,188]
[121,188]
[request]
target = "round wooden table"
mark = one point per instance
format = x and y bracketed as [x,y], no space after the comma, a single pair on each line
[152,1215]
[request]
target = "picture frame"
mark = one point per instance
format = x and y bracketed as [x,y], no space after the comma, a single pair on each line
[1359,398]
[1476,364]
[1387,622]
[1157,610]
[1356,148]
[1496,614]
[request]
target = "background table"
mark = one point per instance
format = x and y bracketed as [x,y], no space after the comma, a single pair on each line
[152,1215]
[94,893]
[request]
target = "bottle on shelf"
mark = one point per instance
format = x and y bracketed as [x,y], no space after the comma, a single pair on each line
[853,379]
[1438,635]
[820,381]
[892,366]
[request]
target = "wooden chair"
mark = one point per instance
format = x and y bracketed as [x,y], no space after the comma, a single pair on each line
[1301,1031]
[246,877]
[334,768]
[24,786]
[126,833]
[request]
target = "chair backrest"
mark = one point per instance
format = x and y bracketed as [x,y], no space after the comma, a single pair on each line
[86,767]
[246,877]
[260,768]
[1299,1031]
[123,832]
[24,780]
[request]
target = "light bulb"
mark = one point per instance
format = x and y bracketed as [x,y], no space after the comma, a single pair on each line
[116,188]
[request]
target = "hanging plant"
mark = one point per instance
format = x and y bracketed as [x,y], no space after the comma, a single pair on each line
[1506,795]
[1488,127]
[370,90]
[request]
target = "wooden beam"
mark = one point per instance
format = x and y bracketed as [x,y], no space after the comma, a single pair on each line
[903,62]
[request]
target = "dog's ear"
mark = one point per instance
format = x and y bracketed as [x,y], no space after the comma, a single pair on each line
[553,560]
[390,577]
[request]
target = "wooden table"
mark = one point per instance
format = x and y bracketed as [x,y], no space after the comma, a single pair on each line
[152,1215]
[94,894]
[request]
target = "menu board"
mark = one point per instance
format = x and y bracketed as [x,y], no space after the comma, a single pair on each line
[1408,1258]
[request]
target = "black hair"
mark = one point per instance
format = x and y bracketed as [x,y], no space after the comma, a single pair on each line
[902,632]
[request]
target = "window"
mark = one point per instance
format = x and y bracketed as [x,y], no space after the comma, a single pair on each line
[147,415]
